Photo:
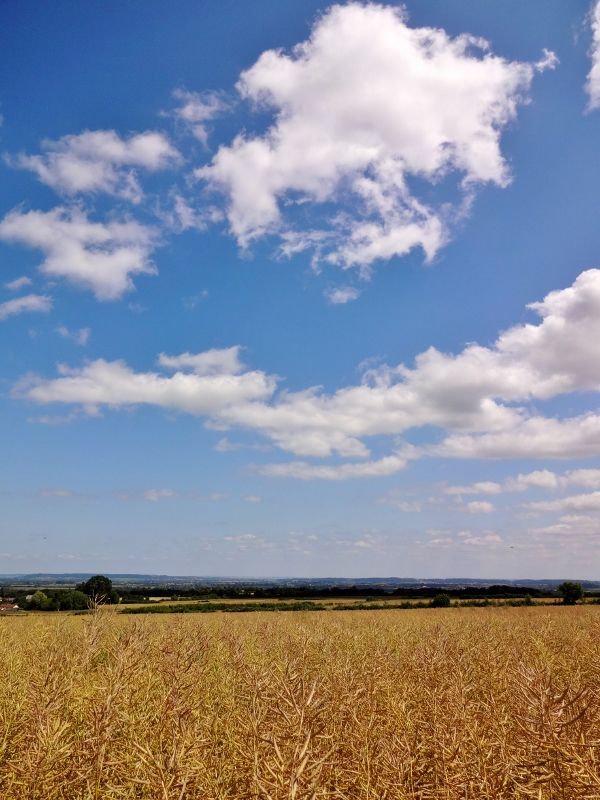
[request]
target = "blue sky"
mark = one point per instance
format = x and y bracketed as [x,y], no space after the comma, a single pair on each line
[267,283]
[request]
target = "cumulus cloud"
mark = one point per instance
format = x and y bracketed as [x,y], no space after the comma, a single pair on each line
[576,503]
[537,437]
[362,108]
[475,397]
[474,392]
[593,78]
[102,257]
[100,161]
[538,479]
[26,304]
[571,526]
[114,384]
[586,478]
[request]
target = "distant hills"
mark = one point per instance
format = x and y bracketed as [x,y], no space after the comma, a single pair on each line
[190,581]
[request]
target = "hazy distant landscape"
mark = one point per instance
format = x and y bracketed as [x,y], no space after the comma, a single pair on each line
[191,581]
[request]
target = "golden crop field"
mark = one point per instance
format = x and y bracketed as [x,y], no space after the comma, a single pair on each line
[455,704]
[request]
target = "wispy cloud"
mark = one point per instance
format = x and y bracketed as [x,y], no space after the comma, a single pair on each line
[80,336]
[593,78]
[195,110]
[29,303]
[341,295]
[18,283]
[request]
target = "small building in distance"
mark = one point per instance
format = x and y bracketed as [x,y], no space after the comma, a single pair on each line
[9,608]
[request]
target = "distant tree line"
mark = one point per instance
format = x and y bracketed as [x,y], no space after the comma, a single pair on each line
[241,592]
[99,590]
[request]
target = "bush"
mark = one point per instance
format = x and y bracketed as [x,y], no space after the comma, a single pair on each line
[571,592]
[440,601]
[100,589]
[40,602]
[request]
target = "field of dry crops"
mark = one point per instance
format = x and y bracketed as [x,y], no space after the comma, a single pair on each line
[456,704]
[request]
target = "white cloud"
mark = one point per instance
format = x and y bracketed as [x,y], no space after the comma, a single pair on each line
[102,257]
[252,498]
[80,336]
[542,479]
[197,109]
[361,108]
[586,478]
[593,78]
[27,303]
[576,503]
[538,437]
[479,507]
[363,469]
[571,526]
[18,283]
[210,362]
[473,391]
[100,161]
[112,383]
[538,479]
[481,487]
[342,295]
[471,396]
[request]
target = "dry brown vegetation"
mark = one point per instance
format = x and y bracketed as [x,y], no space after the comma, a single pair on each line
[459,704]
